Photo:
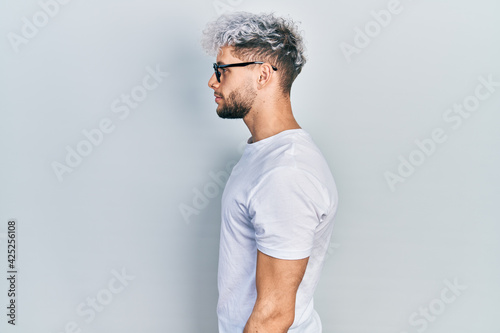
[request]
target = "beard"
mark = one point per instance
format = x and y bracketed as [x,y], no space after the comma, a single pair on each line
[237,104]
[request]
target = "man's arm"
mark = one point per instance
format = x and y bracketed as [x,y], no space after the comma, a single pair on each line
[277,281]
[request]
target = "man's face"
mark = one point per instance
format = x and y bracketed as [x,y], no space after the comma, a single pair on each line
[234,94]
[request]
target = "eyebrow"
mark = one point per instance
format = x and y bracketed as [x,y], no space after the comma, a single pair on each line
[220,63]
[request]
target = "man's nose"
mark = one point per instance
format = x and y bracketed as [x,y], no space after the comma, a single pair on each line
[213,83]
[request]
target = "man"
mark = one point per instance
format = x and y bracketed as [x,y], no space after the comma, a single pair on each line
[280,200]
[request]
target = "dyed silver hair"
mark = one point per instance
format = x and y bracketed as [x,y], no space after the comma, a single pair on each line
[259,37]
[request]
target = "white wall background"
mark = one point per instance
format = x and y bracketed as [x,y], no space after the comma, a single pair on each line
[394,251]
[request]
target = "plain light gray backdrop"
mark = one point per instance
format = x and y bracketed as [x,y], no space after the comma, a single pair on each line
[144,201]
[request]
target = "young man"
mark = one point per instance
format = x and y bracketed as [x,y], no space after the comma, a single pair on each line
[279,203]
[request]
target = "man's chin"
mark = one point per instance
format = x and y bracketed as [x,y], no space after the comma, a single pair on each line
[231,112]
[227,114]
[220,112]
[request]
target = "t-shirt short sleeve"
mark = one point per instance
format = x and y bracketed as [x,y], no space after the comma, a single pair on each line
[286,206]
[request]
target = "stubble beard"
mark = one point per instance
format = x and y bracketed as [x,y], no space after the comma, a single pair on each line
[237,104]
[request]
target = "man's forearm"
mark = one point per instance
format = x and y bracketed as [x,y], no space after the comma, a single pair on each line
[268,321]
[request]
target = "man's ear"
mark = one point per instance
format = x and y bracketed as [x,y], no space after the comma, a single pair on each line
[266,73]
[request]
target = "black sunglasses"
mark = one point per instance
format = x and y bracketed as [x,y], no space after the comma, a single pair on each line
[241,64]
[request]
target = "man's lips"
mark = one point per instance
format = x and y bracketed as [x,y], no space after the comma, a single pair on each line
[217,98]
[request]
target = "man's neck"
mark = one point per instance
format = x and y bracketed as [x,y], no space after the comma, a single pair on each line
[270,120]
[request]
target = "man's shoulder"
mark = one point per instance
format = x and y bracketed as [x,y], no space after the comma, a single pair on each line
[293,156]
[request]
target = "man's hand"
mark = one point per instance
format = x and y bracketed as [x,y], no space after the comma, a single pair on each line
[277,281]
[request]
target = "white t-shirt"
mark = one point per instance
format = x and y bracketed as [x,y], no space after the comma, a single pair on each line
[280,199]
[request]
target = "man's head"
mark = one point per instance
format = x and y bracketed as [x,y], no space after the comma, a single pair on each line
[236,38]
